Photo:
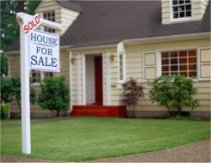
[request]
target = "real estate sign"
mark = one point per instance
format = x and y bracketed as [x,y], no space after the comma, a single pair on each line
[39,51]
[44,51]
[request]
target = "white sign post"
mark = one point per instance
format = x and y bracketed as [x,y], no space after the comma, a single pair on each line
[28,23]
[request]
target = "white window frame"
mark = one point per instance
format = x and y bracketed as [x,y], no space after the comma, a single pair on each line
[172,19]
[159,67]
[42,77]
[47,29]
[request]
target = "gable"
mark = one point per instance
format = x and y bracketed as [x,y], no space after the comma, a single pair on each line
[65,12]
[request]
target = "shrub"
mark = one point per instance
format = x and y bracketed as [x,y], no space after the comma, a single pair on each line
[54,94]
[11,90]
[6,90]
[132,91]
[4,111]
[174,92]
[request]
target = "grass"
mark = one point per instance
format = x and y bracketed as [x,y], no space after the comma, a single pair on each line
[78,139]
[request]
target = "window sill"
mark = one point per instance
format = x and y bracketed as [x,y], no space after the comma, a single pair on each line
[35,84]
[181,20]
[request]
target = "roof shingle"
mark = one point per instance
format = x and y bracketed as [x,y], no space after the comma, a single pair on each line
[108,22]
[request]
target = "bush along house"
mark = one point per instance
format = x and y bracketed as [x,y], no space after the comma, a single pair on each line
[103,44]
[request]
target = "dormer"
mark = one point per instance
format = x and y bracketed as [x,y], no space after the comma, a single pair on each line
[178,11]
[63,12]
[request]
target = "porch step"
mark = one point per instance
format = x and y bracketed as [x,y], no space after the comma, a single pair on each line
[99,111]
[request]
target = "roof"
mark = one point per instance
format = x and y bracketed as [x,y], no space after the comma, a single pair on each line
[69,5]
[110,22]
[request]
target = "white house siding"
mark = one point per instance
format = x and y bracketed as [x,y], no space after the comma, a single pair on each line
[135,69]
[67,18]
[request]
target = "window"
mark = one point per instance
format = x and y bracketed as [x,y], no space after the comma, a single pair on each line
[51,17]
[48,75]
[121,76]
[36,76]
[179,63]
[121,67]
[181,9]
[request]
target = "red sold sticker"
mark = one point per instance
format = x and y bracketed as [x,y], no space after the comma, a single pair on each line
[32,24]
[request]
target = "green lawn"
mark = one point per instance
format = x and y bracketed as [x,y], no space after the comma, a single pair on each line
[77,139]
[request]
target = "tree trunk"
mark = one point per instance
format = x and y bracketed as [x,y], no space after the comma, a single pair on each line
[133,108]
[19,105]
[57,113]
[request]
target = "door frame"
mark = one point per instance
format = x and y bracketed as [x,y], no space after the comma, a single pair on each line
[85,79]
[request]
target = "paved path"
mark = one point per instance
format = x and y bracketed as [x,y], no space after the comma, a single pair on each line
[196,152]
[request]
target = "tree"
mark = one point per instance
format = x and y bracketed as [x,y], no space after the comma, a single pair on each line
[174,92]
[31,6]
[9,26]
[54,94]
[132,91]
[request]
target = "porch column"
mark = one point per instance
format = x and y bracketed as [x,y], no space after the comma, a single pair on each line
[80,70]
[106,78]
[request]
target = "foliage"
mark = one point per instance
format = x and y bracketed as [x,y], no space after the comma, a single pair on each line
[9,26]
[4,64]
[11,90]
[6,90]
[100,137]
[174,92]
[31,6]
[4,111]
[54,94]
[132,91]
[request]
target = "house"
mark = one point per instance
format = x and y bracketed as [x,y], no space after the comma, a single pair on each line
[104,43]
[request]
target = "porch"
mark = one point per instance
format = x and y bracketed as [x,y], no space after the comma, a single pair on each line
[99,111]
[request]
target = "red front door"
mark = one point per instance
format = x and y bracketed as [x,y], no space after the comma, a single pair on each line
[98,81]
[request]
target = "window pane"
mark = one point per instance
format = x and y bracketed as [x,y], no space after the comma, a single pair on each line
[192,53]
[185,74]
[174,68]
[182,14]
[175,9]
[181,8]
[165,55]
[188,13]
[183,60]
[192,60]
[183,68]
[176,15]
[188,7]
[192,67]
[175,2]
[181,1]
[165,68]
[192,74]
[183,54]
[174,61]
[173,54]
[165,61]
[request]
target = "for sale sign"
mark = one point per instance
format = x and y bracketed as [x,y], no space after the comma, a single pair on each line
[44,51]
